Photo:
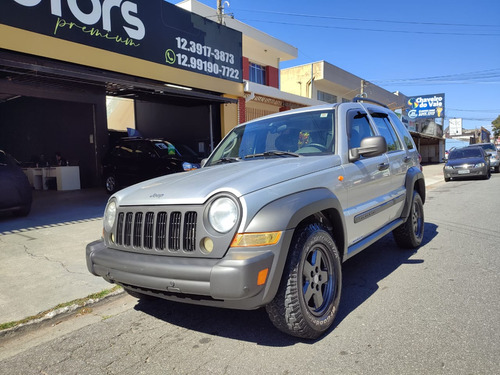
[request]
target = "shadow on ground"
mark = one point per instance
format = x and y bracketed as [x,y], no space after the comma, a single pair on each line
[51,207]
[361,275]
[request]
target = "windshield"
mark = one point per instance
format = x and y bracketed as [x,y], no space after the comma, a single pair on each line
[464,153]
[307,133]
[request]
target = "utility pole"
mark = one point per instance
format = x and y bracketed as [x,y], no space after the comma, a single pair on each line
[363,85]
[220,11]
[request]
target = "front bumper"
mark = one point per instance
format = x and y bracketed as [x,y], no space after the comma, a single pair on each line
[229,282]
[464,172]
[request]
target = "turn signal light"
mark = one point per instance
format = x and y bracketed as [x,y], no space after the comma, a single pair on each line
[256,239]
[262,277]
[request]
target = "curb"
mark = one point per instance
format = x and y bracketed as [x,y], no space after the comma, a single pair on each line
[59,314]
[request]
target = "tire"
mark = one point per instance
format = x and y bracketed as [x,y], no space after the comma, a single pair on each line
[409,235]
[111,184]
[446,179]
[308,297]
[23,211]
[497,169]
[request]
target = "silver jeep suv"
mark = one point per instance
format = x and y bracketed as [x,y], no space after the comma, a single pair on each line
[279,205]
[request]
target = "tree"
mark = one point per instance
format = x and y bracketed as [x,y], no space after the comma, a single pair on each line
[496,127]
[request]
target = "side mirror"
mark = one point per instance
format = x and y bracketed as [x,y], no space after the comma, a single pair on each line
[370,146]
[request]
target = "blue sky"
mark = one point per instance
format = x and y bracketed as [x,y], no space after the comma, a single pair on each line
[415,47]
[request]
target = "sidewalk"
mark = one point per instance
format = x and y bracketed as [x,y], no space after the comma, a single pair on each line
[42,261]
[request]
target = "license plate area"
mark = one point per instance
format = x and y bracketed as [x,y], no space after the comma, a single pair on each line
[463,171]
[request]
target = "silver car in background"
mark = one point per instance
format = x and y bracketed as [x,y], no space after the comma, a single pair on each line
[491,150]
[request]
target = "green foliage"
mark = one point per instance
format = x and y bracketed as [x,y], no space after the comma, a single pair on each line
[496,127]
[79,302]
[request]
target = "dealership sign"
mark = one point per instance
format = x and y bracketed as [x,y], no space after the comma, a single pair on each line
[151,30]
[425,106]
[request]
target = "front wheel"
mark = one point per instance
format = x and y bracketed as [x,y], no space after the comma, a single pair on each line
[410,234]
[309,293]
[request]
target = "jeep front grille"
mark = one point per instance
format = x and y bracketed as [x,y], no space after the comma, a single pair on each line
[160,231]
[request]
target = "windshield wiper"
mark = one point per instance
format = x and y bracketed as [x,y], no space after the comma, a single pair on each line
[225,160]
[272,153]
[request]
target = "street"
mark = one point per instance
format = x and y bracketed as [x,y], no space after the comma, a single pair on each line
[434,311]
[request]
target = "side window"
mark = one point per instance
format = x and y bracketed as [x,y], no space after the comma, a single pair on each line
[144,150]
[385,129]
[403,131]
[124,151]
[358,127]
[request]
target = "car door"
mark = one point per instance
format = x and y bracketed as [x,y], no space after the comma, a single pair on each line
[368,180]
[399,161]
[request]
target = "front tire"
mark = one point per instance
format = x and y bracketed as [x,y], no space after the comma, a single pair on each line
[308,297]
[409,235]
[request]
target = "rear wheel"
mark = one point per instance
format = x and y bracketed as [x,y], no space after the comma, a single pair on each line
[410,234]
[309,293]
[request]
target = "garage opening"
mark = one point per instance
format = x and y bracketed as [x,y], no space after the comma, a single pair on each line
[48,106]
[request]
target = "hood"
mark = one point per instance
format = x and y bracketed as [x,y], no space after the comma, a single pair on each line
[238,178]
[462,161]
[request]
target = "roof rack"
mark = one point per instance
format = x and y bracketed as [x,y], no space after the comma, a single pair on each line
[362,99]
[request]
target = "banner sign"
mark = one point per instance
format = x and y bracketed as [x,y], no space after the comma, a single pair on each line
[455,126]
[425,106]
[151,30]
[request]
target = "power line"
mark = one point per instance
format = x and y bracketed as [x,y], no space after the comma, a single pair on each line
[490,76]
[367,29]
[365,20]
[475,110]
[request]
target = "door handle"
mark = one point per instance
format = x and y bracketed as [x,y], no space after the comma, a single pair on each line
[407,159]
[383,166]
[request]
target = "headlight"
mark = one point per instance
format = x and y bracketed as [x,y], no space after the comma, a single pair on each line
[223,214]
[447,167]
[110,216]
[480,165]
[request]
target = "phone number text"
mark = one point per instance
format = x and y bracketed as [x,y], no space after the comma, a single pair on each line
[207,66]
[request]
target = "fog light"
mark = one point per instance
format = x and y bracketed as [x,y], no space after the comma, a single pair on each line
[207,245]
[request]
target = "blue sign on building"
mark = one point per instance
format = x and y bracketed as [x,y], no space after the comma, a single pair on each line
[425,106]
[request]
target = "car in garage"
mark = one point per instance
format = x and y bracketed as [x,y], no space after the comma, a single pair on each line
[15,189]
[467,162]
[136,159]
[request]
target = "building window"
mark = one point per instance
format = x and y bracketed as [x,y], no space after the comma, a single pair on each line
[257,74]
[326,97]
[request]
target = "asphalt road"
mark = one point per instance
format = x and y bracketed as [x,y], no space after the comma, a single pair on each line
[433,311]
